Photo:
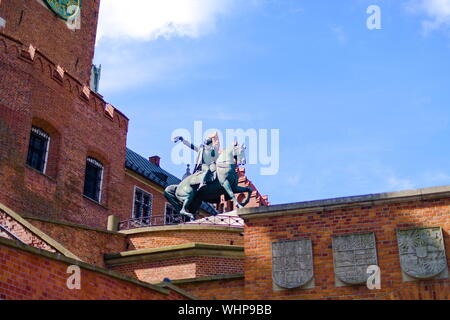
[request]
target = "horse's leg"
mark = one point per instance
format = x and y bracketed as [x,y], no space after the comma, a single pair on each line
[229,189]
[238,189]
[187,202]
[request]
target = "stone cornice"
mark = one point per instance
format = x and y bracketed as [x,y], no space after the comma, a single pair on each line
[170,252]
[228,277]
[345,202]
[182,227]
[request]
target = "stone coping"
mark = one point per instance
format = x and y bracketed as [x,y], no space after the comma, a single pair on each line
[53,243]
[208,279]
[182,227]
[170,252]
[344,202]
[177,290]
[73,225]
[70,261]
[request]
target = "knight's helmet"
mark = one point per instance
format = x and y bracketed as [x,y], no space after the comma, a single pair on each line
[208,141]
[188,172]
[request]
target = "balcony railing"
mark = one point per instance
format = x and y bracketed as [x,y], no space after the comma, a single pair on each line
[158,221]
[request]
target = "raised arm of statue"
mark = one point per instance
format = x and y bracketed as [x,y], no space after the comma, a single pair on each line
[186,143]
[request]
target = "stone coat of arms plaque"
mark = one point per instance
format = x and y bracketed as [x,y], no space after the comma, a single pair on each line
[422,252]
[292,263]
[352,255]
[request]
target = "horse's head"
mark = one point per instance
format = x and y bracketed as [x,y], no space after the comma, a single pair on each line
[239,154]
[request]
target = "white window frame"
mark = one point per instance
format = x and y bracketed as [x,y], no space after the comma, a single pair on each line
[134,202]
[102,167]
[43,134]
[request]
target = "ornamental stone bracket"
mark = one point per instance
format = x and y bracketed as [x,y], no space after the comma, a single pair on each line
[352,255]
[422,254]
[292,265]
[28,53]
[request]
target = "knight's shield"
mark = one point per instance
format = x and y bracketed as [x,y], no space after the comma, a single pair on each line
[352,255]
[422,252]
[292,263]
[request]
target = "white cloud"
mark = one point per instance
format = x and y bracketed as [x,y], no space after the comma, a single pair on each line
[396,183]
[146,20]
[437,11]
[340,34]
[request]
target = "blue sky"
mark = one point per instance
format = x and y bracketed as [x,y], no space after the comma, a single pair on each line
[359,111]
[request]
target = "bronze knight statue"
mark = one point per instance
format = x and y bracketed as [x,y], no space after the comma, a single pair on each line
[214,175]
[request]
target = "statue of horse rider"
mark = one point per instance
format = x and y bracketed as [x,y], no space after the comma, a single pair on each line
[206,159]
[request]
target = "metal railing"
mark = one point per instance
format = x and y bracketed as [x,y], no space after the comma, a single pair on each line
[158,221]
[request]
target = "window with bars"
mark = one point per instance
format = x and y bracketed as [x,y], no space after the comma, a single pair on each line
[38,149]
[93,179]
[142,208]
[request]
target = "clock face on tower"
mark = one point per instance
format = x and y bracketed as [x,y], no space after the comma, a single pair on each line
[65,9]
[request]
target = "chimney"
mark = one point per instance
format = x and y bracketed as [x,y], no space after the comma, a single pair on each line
[155,160]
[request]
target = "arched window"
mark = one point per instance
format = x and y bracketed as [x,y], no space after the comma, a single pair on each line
[38,149]
[93,179]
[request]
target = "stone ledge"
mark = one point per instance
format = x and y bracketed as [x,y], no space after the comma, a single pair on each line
[209,278]
[170,252]
[345,202]
[73,225]
[70,261]
[177,290]
[182,227]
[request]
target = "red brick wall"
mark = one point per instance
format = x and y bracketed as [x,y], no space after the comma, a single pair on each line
[216,290]
[88,245]
[78,128]
[384,220]
[181,268]
[33,23]
[24,275]
[175,237]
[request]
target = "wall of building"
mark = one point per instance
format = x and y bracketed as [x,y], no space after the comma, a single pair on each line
[181,268]
[170,236]
[32,22]
[32,94]
[27,274]
[88,244]
[320,221]
[223,289]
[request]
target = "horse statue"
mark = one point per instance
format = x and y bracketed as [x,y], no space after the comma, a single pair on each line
[186,198]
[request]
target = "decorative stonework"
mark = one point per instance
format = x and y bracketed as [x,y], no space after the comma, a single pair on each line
[292,263]
[352,255]
[422,253]
[109,109]
[86,92]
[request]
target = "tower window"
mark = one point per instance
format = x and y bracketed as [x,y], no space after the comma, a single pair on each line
[142,205]
[93,179]
[38,149]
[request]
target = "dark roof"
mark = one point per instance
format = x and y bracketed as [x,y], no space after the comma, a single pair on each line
[156,174]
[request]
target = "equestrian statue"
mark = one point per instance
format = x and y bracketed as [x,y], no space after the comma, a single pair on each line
[214,175]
